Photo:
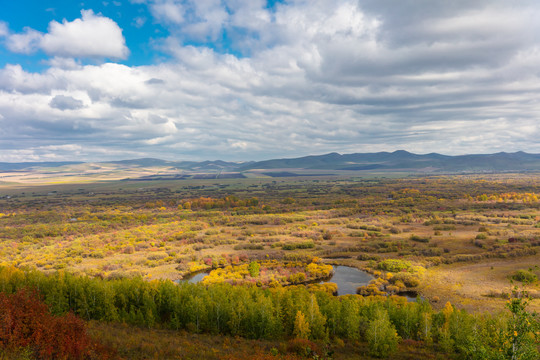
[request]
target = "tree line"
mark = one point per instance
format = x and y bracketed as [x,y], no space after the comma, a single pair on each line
[285,312]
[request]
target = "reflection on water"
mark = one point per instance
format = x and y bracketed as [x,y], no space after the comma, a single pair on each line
[348,279]
[195,278]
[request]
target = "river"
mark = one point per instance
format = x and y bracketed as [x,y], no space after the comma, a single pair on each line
[347,278]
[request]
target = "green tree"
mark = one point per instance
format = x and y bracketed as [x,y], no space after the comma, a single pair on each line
[350,320]
[317,321]
[254,268]
[381,335]
[424,332]
[522,331]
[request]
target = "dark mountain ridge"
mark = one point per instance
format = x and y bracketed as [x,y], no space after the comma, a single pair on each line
[380,161]
[403,160]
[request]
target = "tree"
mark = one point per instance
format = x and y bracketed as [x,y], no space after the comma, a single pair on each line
[301,326]
[381,335]
[522,331]
[317,321]
[446,340]
[254,269]
[424,332]
[349,321]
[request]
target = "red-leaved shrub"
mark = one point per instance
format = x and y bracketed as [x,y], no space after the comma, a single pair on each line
[26,322]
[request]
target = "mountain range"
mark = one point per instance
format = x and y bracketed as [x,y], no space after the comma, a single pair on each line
[380,161]
[403,160]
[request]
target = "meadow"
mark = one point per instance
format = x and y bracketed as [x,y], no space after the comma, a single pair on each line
[461,242]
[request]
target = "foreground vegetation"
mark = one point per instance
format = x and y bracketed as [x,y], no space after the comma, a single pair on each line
[108,251]
[276,313]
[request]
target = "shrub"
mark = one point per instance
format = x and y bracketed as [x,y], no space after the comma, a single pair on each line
[254,268]
[394,230]
[419,238]
[327,235]
[444,227]
[370,290]
[394,265]
[297,278]
[409,280]
[157,255]
[294,246]
[525,276]
[288,246]
[365,257]
[128,249]
[249,247]
[26,322]
[304,348]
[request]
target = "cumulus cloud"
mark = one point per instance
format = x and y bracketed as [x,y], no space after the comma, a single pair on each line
[63,63]
[314,77]
[14,79]
[169,11]
[200,20]
[91,36]
[26,42]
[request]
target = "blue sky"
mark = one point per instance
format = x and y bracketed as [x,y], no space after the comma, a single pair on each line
[256,79]
[135,20]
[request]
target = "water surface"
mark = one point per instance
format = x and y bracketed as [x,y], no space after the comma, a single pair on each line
[195,277]
[347,278]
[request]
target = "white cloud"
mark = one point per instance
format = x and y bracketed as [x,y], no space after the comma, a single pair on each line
[63,63]
[91,36]
[170,11]
[13,79]
[200,20]
[26,42]
[3,29]
[318,76]
[209,18]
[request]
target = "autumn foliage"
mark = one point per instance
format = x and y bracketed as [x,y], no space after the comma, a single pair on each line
[26,323]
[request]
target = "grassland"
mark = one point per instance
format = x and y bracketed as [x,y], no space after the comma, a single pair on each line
[460,238]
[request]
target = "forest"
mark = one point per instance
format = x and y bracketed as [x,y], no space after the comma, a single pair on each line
[90,259]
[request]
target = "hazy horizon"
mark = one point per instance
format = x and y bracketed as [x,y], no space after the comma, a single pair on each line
[264,159]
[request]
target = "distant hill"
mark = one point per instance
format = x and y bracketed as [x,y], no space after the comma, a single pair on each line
[403,160]
[216,165]
[381,161]
[6,166]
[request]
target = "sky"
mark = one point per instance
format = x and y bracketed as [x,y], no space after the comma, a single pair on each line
[254,79]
